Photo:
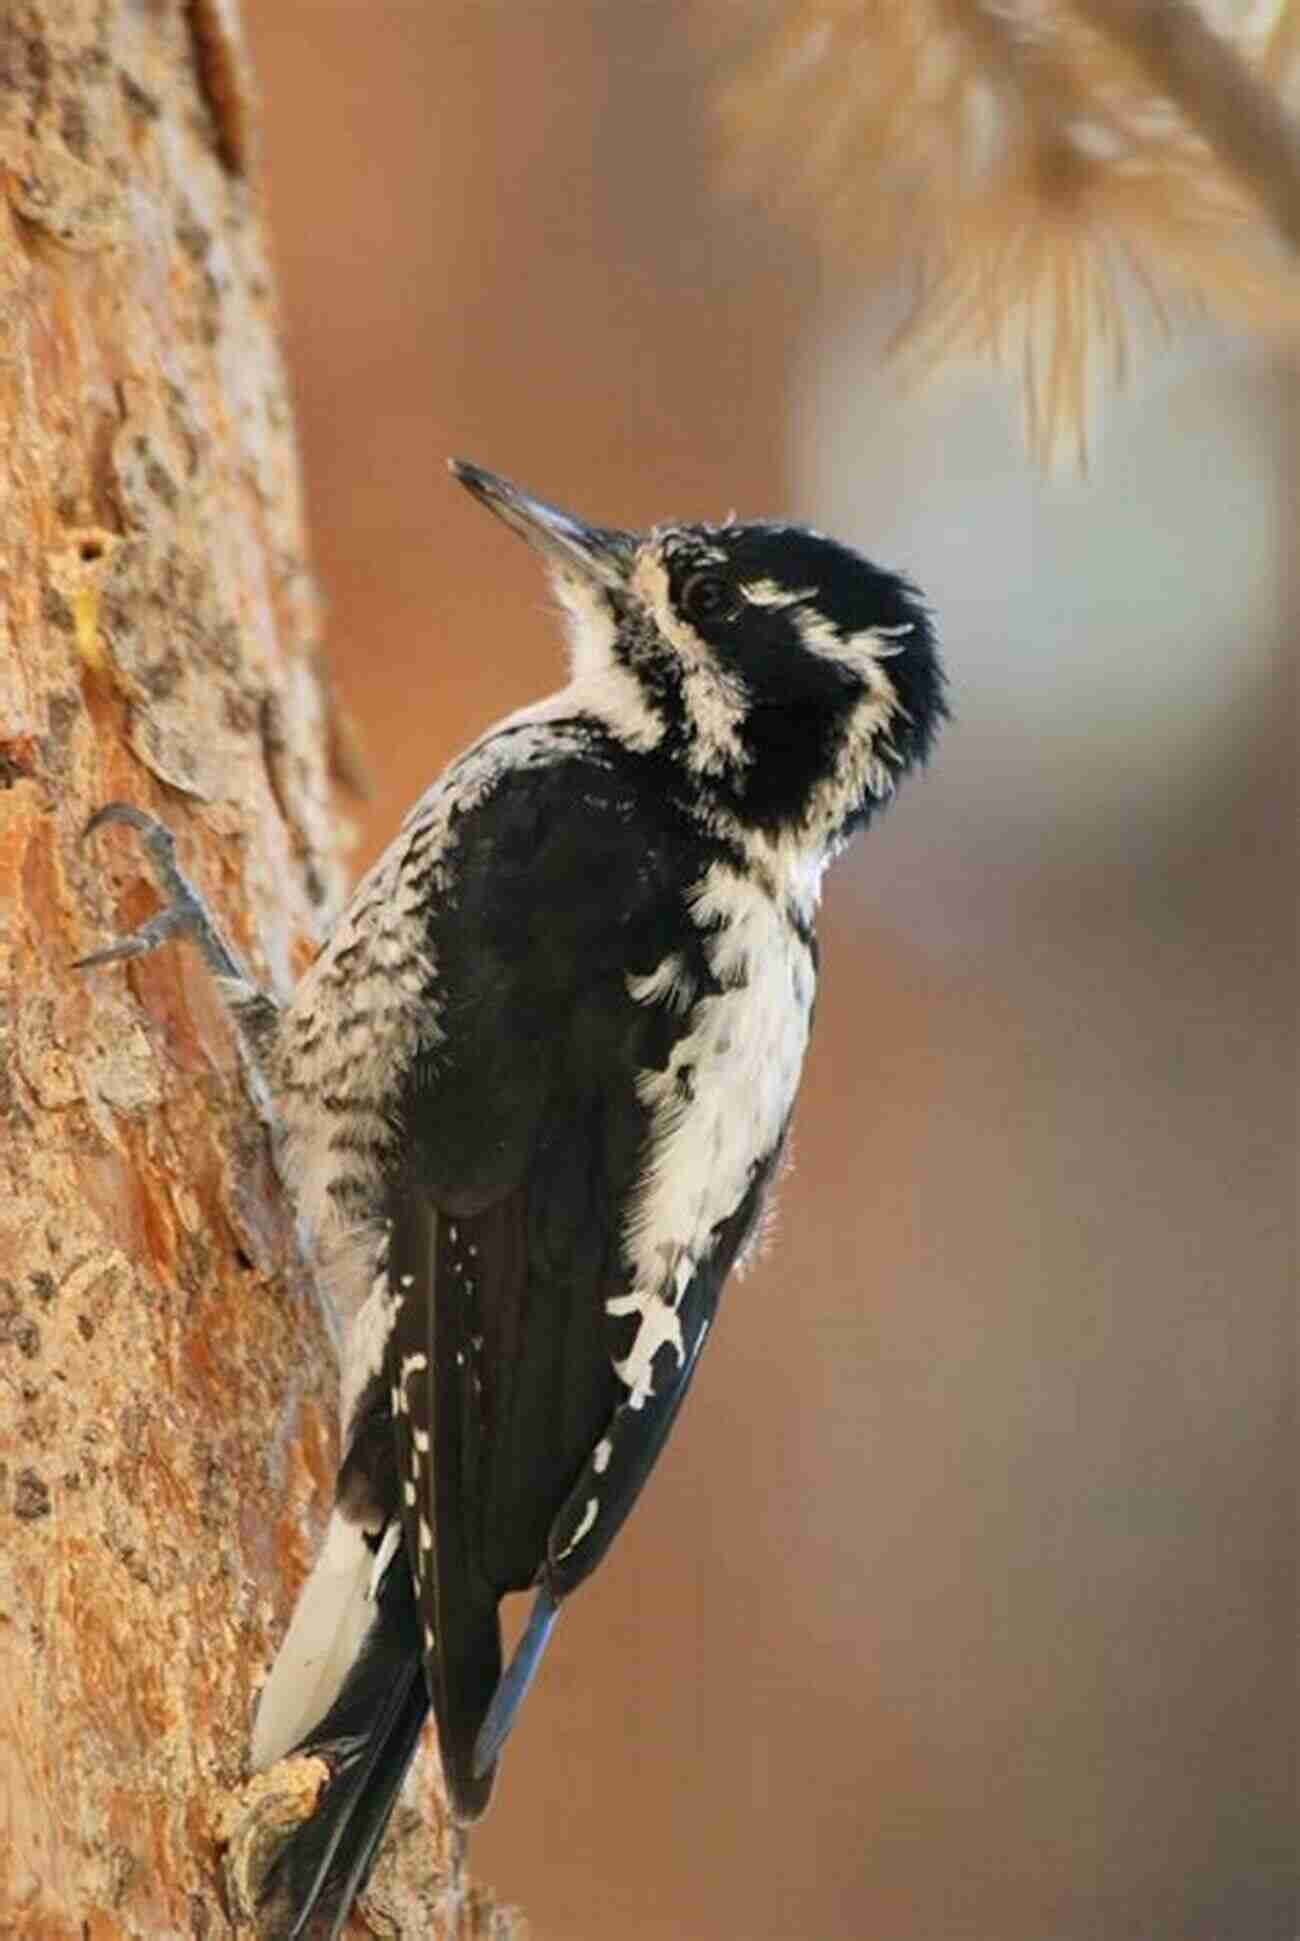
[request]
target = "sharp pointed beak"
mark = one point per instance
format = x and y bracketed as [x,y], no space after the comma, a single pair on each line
[597,554]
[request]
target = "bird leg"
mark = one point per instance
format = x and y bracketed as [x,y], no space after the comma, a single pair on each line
[185,914]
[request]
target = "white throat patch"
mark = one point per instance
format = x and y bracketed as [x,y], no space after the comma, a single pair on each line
[599,683]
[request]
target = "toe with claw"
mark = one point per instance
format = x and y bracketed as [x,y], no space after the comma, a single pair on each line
[183,914]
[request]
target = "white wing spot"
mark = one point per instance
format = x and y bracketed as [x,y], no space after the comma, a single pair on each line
[585,1522]
[604,1450]
[420,1437]
[426,1535]
[658,1324]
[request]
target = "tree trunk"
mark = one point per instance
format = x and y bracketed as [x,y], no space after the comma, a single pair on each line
[167,1429]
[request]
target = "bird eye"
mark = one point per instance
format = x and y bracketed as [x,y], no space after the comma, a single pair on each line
[708,597]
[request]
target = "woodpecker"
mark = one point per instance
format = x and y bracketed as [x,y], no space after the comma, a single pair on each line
[533,1092]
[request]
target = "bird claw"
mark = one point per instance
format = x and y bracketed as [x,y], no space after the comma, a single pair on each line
[185,912]
[138,943]
[159,839]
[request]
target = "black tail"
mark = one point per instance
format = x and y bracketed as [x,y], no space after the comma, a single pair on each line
[369,1737]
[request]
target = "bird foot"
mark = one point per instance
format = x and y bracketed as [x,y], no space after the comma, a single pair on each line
[184,914]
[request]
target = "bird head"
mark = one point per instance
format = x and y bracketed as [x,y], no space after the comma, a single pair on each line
[789,680]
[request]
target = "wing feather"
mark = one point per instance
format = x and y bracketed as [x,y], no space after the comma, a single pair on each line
[525,1139]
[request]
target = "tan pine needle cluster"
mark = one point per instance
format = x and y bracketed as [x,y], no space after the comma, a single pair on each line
[1033,172]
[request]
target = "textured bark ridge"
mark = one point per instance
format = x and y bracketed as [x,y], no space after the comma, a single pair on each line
[167,1377]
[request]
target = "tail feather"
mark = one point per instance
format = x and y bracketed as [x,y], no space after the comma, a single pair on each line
[512,1688]
[335,1610]
[368,1737]
[377,1796]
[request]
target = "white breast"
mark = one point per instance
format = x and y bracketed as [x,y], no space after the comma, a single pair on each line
[720,1107]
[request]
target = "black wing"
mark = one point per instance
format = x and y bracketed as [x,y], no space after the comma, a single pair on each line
[518,1456]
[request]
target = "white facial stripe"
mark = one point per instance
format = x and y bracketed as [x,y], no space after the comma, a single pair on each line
[863,652]
[767,593]
[864,768]
[884,634]
[715,700]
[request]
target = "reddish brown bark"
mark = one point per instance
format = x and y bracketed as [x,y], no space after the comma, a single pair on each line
[167,1376]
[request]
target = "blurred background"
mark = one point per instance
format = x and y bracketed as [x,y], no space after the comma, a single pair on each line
[973,1616]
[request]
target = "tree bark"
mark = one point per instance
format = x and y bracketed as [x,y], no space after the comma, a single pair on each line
[167,1375]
